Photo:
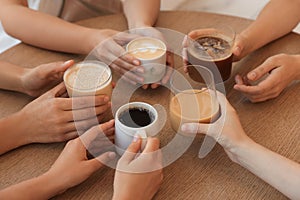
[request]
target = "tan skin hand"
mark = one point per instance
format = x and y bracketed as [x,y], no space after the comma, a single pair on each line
[141,181]
[227,130]
[40,79]
[51,118]
[72,166]
[281,70]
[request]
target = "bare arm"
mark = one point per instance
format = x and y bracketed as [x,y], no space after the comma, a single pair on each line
[43,30]
[141,13]
[278,18]
[280,172]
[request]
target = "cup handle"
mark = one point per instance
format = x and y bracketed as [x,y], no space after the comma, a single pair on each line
[143,135]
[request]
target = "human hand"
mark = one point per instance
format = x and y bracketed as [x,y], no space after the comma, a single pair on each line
[139,177]
[40,79]
[155,33]
[108,45]
[52,118]
[72,166]
[227,130]
[281,70]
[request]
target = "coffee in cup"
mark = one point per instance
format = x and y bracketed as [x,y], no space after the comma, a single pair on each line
[135,118]
[193,106]
[212,48]
[88,78]
[152,54]
[192,101]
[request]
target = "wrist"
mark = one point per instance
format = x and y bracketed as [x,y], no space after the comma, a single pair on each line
[25,131]
[246,44]
[50,185]
[241,150]
[121,197]
[138,25]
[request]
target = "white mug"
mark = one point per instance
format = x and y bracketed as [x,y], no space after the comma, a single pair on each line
[125,134]
[155,63]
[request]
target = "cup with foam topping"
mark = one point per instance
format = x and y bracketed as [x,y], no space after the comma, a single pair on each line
[152,54]
[88,78]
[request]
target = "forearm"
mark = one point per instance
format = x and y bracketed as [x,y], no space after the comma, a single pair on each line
[42,187]
[278,18]
[280,172]
[12,133]
[141,13]
[43,30]
[11,77]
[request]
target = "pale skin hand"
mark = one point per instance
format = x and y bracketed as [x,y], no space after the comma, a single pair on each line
[284,173]
[141,181]
[52,118]
[71,168]
[155,33]
[281,70]
[32,81]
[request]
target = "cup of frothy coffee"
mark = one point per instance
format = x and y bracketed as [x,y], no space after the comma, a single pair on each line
[88,78]
[152,54]
[212,48]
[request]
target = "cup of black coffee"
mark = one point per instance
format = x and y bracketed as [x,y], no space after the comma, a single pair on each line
[212,48]
[134,119]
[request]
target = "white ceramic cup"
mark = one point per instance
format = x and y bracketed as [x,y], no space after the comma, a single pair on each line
[88,78]
[125,134]
[152,54]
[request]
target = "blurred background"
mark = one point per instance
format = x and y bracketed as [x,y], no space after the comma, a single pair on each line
[241,8]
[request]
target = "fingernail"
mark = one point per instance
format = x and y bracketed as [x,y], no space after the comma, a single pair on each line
[141,80]
[140,70]
[238,50]
[106,99]
[136,138]
[252,75]
[67,62]
[184,127]
[136,62]
[111,155]
[188,128]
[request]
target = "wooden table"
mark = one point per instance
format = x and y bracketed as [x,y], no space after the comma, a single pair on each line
[274,124]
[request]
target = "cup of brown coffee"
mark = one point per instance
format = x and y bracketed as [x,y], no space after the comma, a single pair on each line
[192,101]
[88,78]
[152,54]
[212,48]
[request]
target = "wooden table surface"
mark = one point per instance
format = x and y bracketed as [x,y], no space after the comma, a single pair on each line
[274,124]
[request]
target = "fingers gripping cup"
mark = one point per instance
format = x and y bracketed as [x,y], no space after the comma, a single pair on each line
[152,54]
[88,78]
[134,119]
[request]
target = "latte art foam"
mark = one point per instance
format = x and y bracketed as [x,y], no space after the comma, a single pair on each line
[146,48]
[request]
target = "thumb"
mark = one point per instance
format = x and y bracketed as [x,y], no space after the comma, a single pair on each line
[101,160]
[260,71]
[132,150]
[237,49]
[65,66]
[194,128]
